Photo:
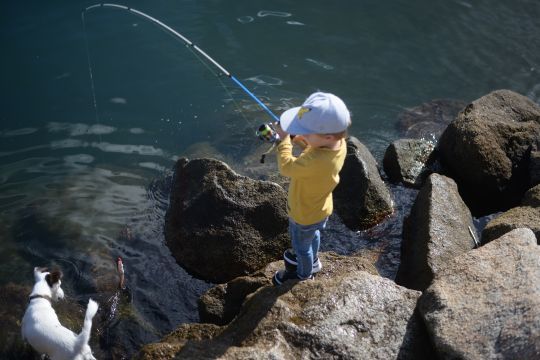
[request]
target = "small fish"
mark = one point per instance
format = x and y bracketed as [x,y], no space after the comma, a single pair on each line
[120,266]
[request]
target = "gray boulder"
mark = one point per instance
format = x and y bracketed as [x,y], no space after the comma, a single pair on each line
[221,225]
[485,304]
[487,150]
[220,304]
[361,198]
[518,217]
[408,161]
[436,231]
[428,120]
[532,197]
[353,316]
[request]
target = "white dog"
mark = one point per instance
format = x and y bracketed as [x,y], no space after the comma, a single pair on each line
[40,325]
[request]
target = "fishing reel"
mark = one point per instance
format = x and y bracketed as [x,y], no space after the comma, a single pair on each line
[267,133]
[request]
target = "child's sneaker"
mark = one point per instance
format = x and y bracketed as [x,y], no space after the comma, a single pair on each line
[283,275]
[290,261]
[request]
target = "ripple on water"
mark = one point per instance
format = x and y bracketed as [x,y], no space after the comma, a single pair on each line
[245,19]
[265,80]
[320,64]
[78,129]
[136,131]
[128,149]
[296,23]
[264,13]
[19,132]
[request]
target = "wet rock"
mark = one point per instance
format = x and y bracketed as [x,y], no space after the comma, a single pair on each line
[436,231]
[485,303]
[429,120]
[518,217]
[221,225]
[223,302]
[408,161]
[361,198]
[355,315]
[532,197]
[487,150]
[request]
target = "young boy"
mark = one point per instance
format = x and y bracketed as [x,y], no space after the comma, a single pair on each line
[321,123]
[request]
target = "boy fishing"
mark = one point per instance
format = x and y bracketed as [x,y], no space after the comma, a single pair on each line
[321,124]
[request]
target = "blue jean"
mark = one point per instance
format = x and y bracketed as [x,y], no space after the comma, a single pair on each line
[305,240]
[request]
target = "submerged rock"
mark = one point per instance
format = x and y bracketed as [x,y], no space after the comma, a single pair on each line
[487,150]
[355,315]
[221,225]
[428,121]
[223,302]
[485,304]
[361,198]
[408,161]
[436,231]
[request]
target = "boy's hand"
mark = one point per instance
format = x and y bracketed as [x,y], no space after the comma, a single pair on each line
[282,134]
[301,141]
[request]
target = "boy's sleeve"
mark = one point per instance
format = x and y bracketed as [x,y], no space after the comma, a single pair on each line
[291,166]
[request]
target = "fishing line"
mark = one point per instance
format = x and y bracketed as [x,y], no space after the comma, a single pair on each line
[92,85]
[191,46]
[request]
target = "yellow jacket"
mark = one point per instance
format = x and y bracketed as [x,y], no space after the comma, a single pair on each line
[314,175]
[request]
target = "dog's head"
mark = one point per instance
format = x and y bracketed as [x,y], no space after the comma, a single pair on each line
[48,283]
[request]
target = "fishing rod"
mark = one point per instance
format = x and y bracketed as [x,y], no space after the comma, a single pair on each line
[265,132]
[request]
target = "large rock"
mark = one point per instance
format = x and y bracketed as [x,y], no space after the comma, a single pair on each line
[436,231]
[222,303]
[221,225]
[487,150]
[408,161]
[428,120]
[171,344]
[353,316]
[486,304]
[518,217]
[361,198]
[532,197]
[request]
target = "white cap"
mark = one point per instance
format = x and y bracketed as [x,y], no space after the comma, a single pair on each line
[321,113]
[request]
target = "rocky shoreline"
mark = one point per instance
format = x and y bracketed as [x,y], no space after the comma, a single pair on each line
[460,290]
[457,294]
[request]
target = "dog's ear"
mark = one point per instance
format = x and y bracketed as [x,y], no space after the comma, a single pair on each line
[53,277]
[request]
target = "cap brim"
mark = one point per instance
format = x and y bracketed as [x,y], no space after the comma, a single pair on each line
[289,122]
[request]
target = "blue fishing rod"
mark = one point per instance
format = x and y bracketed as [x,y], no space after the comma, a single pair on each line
[265,132]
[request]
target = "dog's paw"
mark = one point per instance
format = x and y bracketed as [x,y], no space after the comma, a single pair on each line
[92,308]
